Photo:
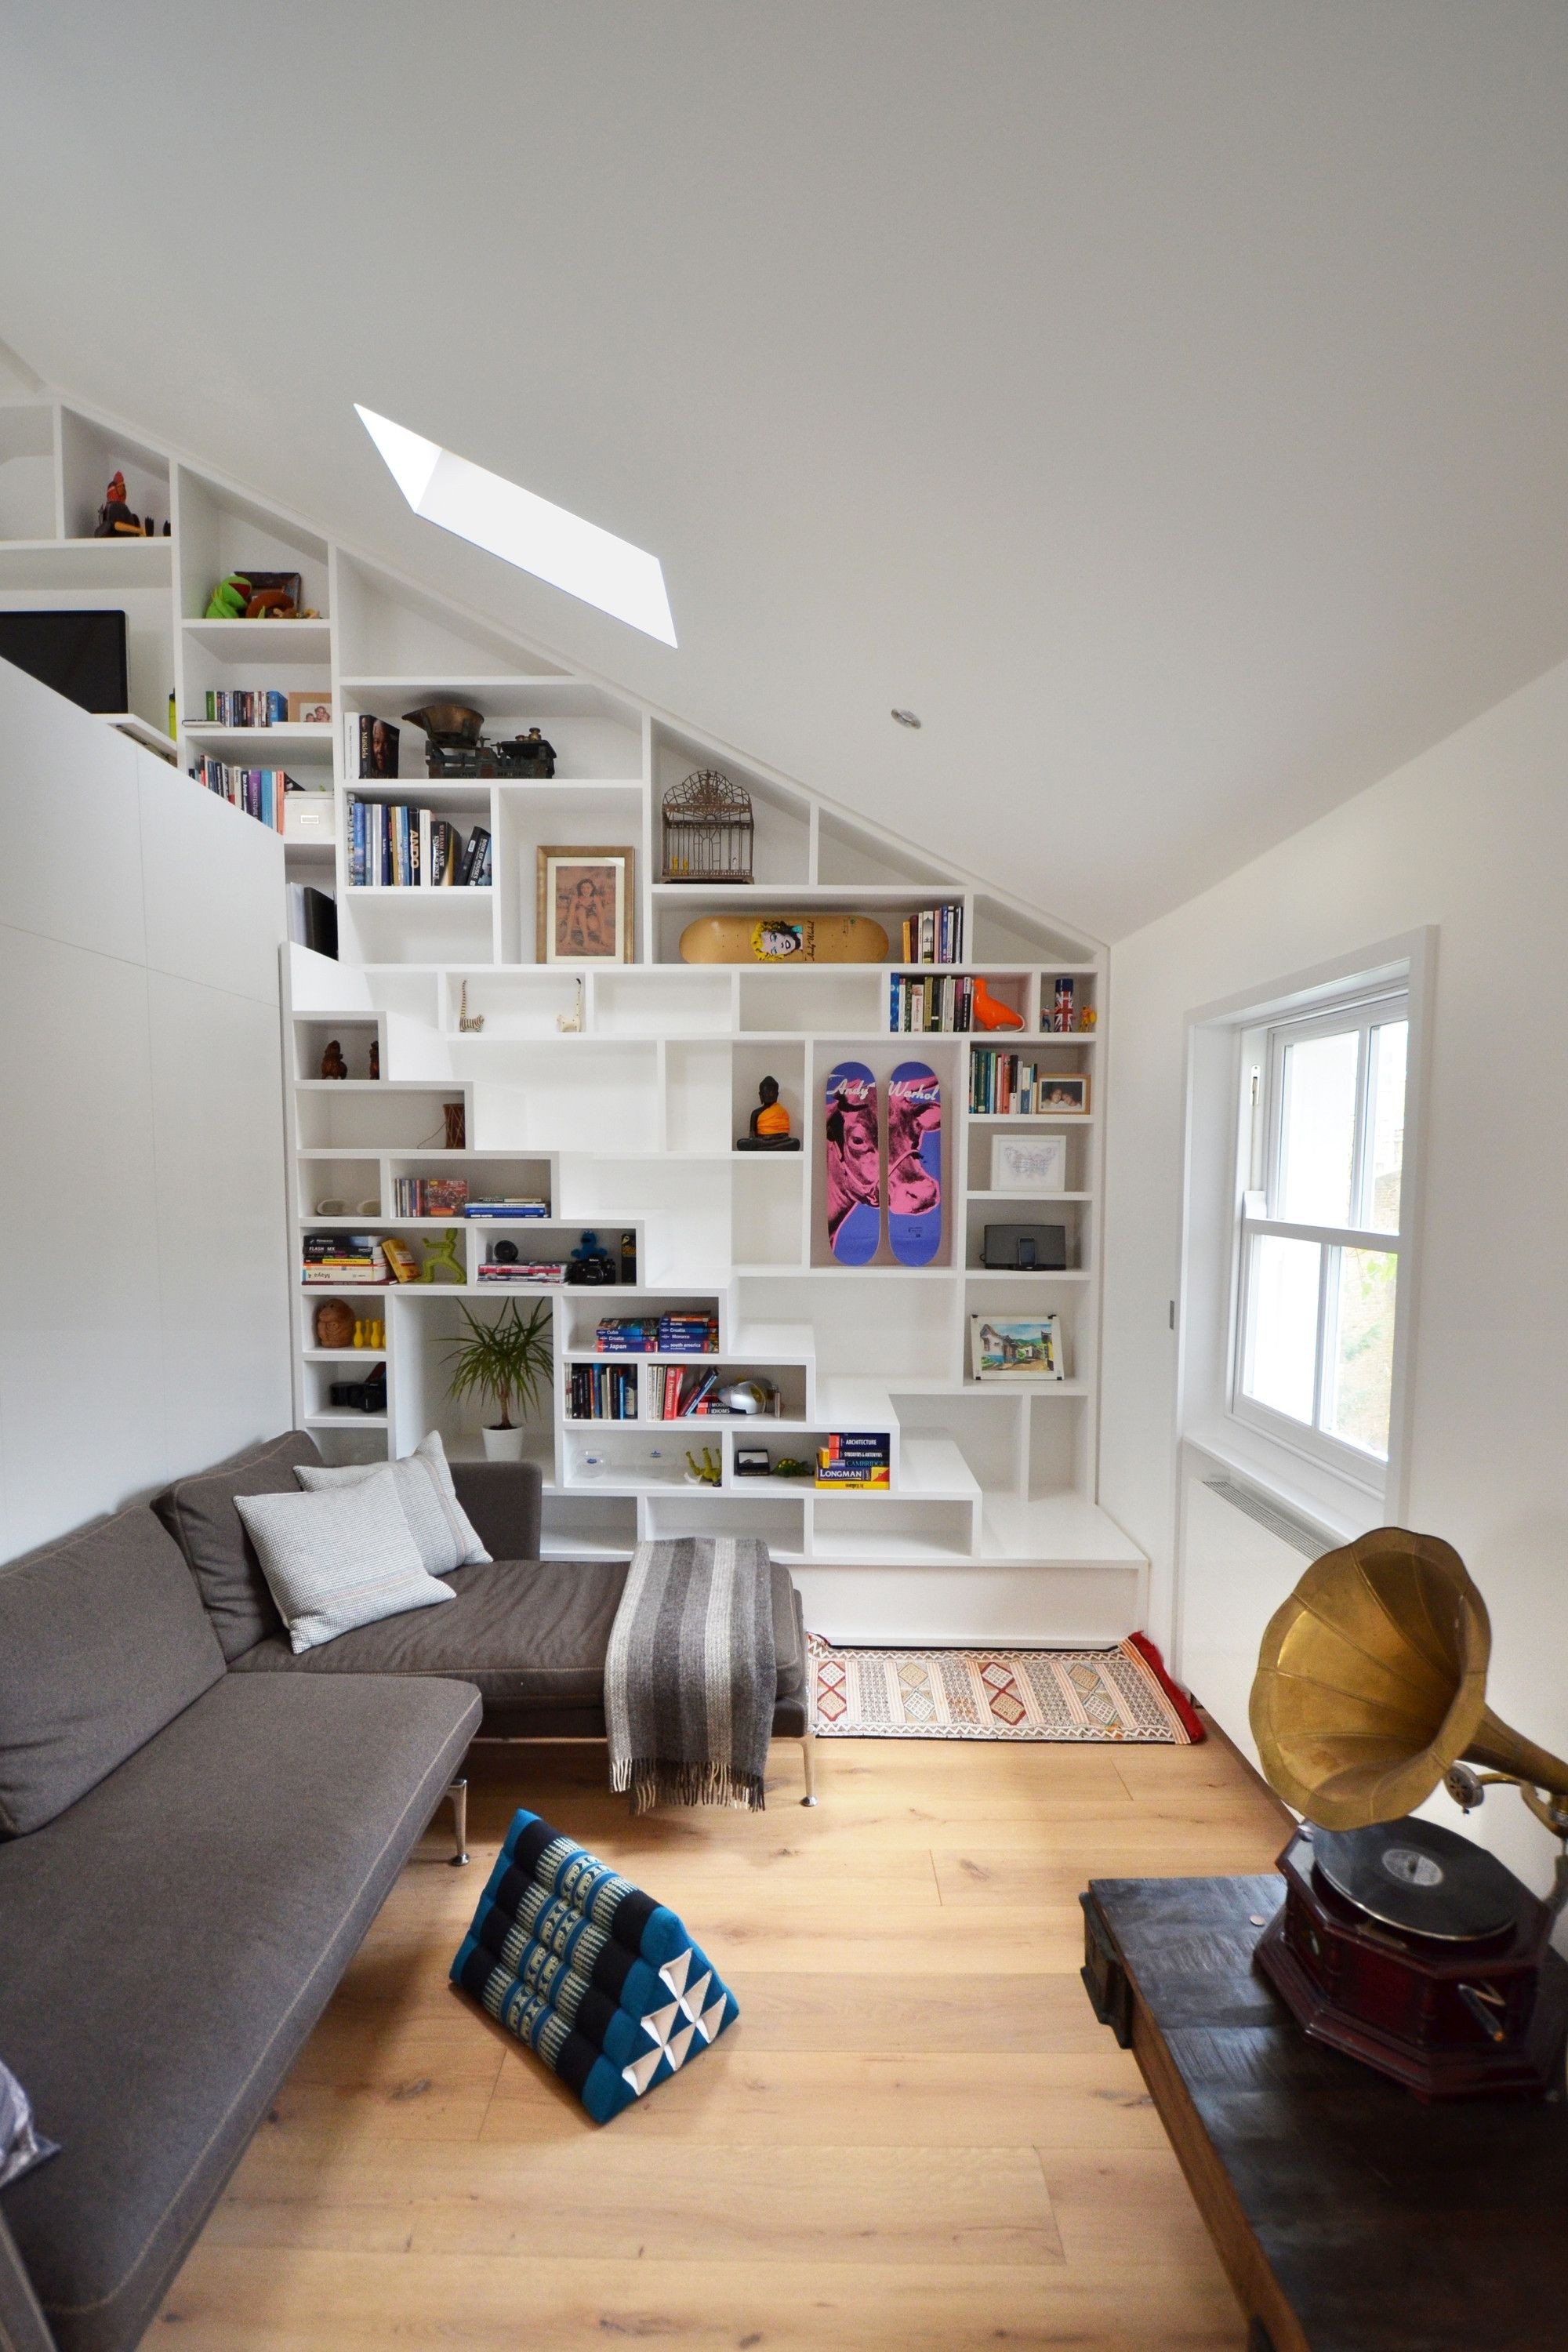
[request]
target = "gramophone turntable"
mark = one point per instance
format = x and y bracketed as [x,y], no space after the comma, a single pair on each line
[1400,1942]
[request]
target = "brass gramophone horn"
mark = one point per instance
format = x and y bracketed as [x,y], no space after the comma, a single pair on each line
[1371,1687]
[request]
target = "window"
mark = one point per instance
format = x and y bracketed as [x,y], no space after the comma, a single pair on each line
[1317,1272]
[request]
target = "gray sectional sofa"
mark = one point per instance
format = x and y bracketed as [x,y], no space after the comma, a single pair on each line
[197,1827]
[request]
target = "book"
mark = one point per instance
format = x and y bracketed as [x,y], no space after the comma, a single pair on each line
[372,745]
[508,1209]
[247,707]
[312,918]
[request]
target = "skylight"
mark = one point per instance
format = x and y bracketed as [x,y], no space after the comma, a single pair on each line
[523,529]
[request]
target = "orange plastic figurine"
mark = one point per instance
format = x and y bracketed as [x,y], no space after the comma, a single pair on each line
[990,1013]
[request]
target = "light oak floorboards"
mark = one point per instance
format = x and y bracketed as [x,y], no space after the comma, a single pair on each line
[916,2138]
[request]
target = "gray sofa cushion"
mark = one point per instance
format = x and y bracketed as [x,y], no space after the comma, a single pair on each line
[530,1636]
[436,1520]
[503,1500]
[23,2328]
[199,1514]
[238,1861]
[102,1640]
[339,1560]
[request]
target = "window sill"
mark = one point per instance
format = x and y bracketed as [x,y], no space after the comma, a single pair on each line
[1338,1507]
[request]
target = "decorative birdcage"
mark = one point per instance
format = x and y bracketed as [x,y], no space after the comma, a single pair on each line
[707,830]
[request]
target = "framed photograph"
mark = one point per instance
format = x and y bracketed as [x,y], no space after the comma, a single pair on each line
[1028,1163]
[1063,1097]
[1015,1348]
[311,710]
[586,909]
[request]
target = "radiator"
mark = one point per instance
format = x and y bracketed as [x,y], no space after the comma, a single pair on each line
[1241,1555]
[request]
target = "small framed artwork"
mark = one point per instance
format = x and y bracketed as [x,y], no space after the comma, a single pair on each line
[311,710]
[1015,1348]
[1028,1163]
[752,1462]
[1064,1097]
[586,909]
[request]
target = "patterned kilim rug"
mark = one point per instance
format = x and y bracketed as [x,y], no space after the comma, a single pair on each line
[1121,1694]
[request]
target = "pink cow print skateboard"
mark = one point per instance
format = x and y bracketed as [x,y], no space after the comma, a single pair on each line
[854,1169]
[914,1164]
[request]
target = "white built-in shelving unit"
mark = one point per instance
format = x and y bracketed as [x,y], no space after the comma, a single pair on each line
[626,1122]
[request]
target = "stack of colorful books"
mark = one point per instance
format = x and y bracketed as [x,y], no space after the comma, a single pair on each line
[514,1205]
[657,1335]
[258,791]
[921,1006]
[345,1258]
[856,1458]
[537,1274]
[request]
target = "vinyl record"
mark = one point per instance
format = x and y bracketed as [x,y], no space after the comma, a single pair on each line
[1422,1879]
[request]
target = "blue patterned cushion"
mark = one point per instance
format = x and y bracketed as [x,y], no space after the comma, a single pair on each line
[21,2144]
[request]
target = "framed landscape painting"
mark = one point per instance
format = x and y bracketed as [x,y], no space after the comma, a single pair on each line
[1016,1348]
[586,909]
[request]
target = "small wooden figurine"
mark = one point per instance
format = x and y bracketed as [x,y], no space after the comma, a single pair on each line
[332,1063]
[115,520]
[456,1126]
[334,1324]
[376,1057]
[768,1128]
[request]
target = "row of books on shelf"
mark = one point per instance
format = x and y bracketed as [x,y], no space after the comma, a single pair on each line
[674,1396]
[258,791]
[394,845]
[602,1392]
[860,1457]
[1002,1082]
[922,1006]
[935,935]
[263,706]
[657,1335]
[448,1196]
[531,1274]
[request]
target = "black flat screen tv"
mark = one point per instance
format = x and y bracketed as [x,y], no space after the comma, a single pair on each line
[80,655]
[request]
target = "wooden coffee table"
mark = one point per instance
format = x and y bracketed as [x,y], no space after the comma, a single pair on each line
[1349,2217]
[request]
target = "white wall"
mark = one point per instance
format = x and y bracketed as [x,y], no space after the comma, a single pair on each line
[1471,837]
[143,1272]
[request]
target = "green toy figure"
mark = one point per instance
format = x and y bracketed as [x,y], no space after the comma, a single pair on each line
[228,599]
[706,1472]
[443,1252]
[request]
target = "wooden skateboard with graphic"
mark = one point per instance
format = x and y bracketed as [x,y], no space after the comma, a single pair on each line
[783,938]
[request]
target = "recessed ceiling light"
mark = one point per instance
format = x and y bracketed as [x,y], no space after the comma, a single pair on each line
[905,718]
[507,520]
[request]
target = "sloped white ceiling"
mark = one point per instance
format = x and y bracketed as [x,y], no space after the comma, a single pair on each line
[1165,401]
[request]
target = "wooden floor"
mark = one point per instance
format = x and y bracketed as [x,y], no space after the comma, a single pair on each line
[916,2137]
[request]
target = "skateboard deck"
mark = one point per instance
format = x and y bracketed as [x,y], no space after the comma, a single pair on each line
[783,938]
[914,1164]
[854,1165]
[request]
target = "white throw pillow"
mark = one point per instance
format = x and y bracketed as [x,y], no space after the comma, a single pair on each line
[436,1520]
[339,1560]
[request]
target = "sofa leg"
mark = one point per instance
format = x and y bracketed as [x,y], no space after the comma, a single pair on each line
[458,1794]
[808,1757]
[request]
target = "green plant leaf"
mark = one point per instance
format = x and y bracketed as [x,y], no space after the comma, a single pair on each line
[508,1359]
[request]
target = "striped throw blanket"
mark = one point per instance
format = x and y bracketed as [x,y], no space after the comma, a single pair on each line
[691,1676]
[602,1983]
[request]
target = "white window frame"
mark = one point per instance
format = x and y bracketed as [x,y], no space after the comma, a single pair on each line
[1360,1011]
[1222,1038]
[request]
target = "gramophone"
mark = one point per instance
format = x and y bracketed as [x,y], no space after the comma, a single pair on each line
[1399,1942]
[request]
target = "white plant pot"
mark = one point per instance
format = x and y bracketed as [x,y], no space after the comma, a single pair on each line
[504,1446]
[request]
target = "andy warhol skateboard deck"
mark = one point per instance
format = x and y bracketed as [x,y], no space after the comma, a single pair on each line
[783,938]
[854,1164]
[914,1164]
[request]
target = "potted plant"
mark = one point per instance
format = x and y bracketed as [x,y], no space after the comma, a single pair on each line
[508,1362]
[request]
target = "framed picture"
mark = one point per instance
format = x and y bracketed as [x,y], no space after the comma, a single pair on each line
[1015,1348]
[1028,1163]
[311,710]
[1063,1096]
[586,910]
